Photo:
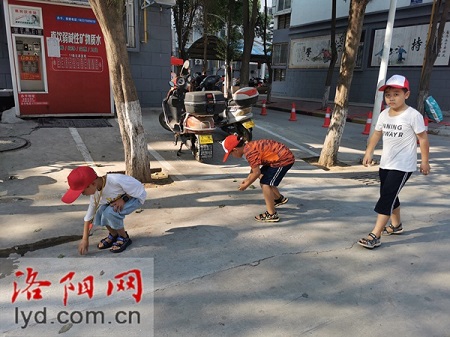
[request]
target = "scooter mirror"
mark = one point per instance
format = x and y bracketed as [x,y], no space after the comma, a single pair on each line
[171,83]
[185,69]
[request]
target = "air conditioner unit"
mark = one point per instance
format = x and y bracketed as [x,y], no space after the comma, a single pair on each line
[198,62]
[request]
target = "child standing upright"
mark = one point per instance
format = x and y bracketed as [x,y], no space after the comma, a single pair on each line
[400,126]
[112,197]
[269,161]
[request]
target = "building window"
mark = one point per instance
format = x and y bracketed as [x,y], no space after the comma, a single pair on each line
[279,75]
[130,24]
[359,53]
[284,4]
[280,54]
[284,21]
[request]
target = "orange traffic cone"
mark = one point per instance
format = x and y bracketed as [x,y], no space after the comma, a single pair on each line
[293,117]
[263,109]
[326,123]
[368,124]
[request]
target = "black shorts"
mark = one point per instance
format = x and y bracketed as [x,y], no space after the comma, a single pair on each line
[391,183]
[272,176]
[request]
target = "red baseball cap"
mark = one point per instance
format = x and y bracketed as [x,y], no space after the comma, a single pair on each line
[78,180]
[229,144]
[396,81]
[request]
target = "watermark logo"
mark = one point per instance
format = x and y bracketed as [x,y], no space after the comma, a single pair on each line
[85,296]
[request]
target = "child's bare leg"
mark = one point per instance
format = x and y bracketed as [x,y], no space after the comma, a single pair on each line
[395,217]
[381,222]
[269,198]
[276,192]
[395,221]
[112,231]
[122,232]
[106,242]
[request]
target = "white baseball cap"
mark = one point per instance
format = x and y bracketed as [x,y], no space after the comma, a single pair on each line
[396,81]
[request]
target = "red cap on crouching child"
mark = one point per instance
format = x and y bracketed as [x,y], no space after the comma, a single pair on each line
[396,81]
[229,144]
[78,180]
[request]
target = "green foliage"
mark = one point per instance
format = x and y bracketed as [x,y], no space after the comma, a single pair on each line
[223,18]
[184,13]
[260,25]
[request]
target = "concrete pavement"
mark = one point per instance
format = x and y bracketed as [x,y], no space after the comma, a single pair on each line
[216,271]
[357,113]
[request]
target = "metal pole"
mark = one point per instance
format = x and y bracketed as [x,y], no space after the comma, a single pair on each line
[383,66]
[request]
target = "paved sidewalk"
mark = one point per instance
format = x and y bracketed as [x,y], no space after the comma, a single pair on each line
[217,272]
[357,113]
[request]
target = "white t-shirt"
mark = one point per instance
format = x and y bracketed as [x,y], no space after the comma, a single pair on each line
[399,139]
[115,186]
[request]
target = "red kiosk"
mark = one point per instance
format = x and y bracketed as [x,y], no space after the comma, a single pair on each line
[58,60]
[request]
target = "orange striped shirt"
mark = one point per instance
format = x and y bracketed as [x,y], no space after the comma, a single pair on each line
[268,152]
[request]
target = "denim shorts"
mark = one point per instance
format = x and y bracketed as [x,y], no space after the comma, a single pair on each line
[106,216]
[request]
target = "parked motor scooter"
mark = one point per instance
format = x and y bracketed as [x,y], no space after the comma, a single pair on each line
[237,116]
[193,127]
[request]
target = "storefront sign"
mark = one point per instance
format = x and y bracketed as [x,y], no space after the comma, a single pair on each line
[60,56]
[314,52]
[80,51]
[408,46]
[27,17]
[30,99]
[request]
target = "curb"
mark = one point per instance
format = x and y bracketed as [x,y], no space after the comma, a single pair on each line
[433,129]
[315,113]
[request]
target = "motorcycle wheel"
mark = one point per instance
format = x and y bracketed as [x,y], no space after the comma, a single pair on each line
[243,132]
[162,121]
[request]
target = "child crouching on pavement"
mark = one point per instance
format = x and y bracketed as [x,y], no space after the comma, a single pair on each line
[400,126]
[269,161]
[112,197]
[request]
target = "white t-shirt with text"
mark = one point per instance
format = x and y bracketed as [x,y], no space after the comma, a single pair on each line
[399,139]
[115,186]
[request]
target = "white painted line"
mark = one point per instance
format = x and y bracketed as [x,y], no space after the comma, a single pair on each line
[81,147]
[302,148]
[90,162]
[166,165]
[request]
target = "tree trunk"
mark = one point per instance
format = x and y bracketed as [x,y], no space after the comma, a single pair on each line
[268,57]
[228,51]
[434,40]
[269,81]
[328,156]
[326,94]
[205,38]
[110,17]
[249,36]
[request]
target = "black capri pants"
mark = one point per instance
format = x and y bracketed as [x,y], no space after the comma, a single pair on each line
[391,183]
